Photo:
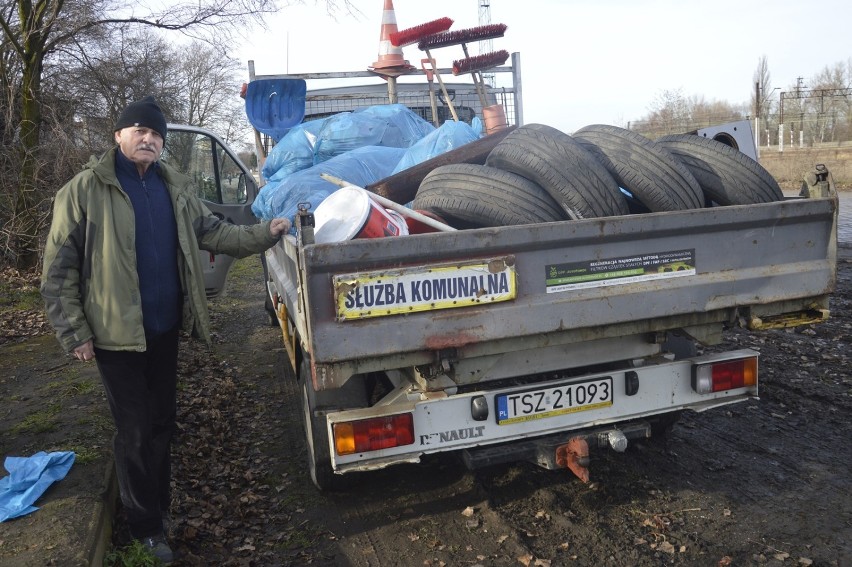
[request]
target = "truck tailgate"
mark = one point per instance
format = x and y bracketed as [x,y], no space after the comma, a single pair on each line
[594,278]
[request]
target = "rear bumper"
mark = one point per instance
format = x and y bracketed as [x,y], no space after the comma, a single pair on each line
[469,421]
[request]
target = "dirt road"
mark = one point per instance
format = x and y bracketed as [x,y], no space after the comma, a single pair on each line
[762,483]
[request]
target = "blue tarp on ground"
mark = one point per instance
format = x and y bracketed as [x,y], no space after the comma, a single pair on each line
[28,478]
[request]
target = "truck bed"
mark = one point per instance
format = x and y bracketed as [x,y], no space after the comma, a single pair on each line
[695,270]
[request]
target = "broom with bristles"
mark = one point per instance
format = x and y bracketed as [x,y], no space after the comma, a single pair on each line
[474,65]
[416,34]
[413,35]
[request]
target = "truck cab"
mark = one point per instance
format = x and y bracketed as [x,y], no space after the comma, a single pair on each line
[225,184]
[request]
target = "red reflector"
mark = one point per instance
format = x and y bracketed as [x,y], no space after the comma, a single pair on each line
[374,434]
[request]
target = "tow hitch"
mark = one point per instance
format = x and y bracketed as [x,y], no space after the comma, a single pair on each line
[574,455]
[555,452]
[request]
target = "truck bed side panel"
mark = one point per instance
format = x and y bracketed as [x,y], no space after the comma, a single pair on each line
[743,255]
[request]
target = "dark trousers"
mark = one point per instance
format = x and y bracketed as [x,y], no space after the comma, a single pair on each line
[141,390]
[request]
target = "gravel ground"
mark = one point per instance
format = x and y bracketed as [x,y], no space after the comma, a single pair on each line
[765,482]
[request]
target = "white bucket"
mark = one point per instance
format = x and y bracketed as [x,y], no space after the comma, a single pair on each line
[350,213]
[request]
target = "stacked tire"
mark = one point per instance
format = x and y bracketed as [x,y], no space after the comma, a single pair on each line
[540,174]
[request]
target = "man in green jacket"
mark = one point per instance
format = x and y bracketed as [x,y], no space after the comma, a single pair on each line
[122,275]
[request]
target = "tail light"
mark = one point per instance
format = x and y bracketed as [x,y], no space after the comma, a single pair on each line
[724,375]
[373,434]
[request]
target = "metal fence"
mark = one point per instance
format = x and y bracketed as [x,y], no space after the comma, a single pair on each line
[335,92]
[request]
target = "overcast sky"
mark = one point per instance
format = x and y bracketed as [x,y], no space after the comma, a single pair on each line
[587,61]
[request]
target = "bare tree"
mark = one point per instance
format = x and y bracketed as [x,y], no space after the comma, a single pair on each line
[829,103]
[760,99]
[212,92]
[674,113]
[34,30]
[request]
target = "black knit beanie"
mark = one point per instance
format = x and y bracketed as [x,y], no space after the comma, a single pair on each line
[145,113]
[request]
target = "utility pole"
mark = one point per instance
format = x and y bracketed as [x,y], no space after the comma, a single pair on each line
[757,118]
[486,46]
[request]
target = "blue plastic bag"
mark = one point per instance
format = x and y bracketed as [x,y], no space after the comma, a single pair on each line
[449,136]
[360,167]
[293,152]
[28,478]
[390,125]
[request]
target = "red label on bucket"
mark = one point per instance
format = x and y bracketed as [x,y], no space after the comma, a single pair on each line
[350,213]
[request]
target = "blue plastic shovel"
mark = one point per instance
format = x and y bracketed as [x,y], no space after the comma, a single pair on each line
[273,106]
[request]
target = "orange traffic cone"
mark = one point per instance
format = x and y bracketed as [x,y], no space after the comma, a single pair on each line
[391,63]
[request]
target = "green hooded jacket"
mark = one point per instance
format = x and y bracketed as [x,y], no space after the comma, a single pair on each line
[89,281]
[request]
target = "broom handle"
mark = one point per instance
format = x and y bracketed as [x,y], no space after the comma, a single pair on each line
[387,203]
[443,88]
[432,101]
[479,82]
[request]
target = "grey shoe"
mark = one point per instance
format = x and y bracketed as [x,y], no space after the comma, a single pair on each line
[159,548]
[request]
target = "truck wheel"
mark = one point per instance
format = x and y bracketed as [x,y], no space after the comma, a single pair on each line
[662,425]
[727,176]
[472,196]
[316,437]
[652,174]
[267,304]
[563,168]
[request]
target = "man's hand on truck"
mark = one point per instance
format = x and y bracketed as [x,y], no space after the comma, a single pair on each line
[278,227]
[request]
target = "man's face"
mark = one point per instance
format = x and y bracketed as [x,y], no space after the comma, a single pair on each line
[140,145]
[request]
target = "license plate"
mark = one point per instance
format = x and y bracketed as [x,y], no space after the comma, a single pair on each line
[517,407]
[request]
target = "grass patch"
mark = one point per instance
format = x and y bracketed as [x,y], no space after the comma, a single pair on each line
[248,267]
[19,298]
[85,455]
[132,555]
[43,421]
[71,388]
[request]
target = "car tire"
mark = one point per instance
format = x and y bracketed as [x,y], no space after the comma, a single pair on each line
[563,168]
[475,196]
[316,437]
[726,175]
[647,170]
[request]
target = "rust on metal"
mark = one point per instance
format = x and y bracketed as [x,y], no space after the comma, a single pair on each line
[343,288]
[574,456]
[456,340]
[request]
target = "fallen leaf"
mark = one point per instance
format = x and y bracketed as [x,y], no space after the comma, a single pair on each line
[468,511]
[543,562]
[725,561]
[502,538]
[525,560]
[666,547]
[805,561]
[781,556]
